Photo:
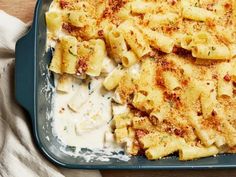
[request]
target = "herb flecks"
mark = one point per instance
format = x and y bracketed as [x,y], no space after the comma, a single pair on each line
[89,86]
[72,53]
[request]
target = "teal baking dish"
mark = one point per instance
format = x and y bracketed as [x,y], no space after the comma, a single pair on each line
[34,94]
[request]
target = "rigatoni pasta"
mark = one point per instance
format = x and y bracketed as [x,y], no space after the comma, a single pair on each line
[197,14]
[56,62]
[225,88]
[154,20]
[208,98]
[78,19]
[113,79]
[159,41]
[128,58]
[97,57]
[69,54]
[203,134]
[188,153]
[171,81]
[54,21]
[219,52]
[117,44]
[134,38]
[141,7]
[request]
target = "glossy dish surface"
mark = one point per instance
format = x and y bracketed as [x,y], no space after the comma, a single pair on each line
[32,71]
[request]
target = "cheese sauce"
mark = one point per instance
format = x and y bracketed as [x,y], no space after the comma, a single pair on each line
[85,128]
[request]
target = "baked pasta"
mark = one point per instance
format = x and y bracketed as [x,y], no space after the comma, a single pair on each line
[169,66]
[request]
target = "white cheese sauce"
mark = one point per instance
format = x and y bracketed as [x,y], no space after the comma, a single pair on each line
[86,127]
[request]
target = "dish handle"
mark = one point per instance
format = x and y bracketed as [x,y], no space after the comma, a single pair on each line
[25,71]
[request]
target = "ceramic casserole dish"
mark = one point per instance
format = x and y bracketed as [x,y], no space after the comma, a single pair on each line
[35,95]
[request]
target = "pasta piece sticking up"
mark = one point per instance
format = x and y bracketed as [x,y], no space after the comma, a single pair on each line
[134,38]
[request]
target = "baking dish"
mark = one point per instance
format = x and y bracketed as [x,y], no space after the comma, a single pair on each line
[35,94]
